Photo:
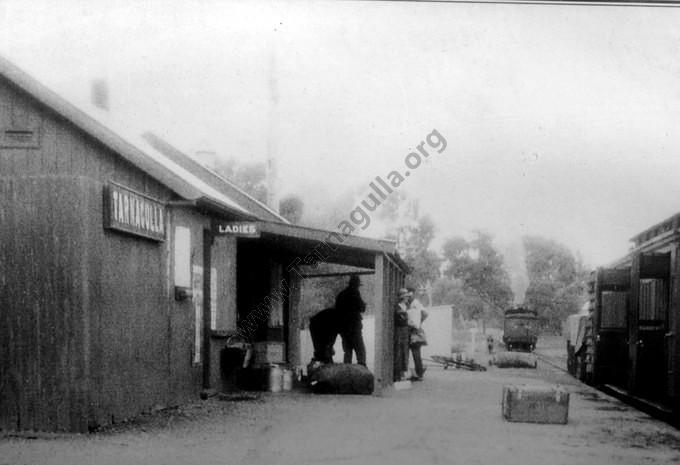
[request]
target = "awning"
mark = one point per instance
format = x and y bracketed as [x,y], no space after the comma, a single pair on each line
[307,246]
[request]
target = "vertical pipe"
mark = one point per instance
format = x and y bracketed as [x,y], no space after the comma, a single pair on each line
[207,263]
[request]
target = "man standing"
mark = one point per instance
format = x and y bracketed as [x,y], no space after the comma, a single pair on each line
[401,336]
[349,306]
[416,316]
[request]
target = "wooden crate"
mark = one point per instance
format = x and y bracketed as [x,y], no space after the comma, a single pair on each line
[535,404]
[268,352]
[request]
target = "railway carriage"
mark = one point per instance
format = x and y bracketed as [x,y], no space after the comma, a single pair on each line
[520,329]
[635,316]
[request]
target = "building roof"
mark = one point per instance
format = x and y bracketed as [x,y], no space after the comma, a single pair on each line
[126,142]
[194,182]
[651,239]
[654,233]
[212,178]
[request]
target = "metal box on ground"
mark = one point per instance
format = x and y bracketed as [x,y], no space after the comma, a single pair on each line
[535,404]
[272,378]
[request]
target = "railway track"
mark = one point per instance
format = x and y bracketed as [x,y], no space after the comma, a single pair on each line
[552,361]
[655,410]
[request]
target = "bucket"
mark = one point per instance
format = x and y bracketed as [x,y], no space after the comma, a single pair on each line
[287,379]
[275,379]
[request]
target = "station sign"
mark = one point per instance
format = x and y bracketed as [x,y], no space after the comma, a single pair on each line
[236,228]
[131,212]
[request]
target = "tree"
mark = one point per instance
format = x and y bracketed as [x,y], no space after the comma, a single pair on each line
[424,268]
[447,291]
[480,269]
[250,177]
[291,208]
[391,208]
[415,238]
[325,210]
[556,281]
[414,235]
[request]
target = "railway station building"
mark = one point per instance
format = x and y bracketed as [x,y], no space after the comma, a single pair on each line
[126,268]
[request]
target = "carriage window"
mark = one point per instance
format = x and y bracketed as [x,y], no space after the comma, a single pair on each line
[614,308]
[653,300]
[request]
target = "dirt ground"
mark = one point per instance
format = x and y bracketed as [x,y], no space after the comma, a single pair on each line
[453,417]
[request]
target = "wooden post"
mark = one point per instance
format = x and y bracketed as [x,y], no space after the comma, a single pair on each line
[208,239]
[379,368]
[293,342]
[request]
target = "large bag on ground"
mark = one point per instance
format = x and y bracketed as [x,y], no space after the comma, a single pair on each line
[341,378]
[535,404]
[514,360]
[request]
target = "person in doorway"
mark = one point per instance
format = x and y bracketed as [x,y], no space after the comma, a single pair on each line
[401,336]
[416,316]
[323,327]
[349,306]
[489,343]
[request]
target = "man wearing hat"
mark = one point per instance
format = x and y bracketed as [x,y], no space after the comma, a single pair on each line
[401,335]
[416,316]
[349,306]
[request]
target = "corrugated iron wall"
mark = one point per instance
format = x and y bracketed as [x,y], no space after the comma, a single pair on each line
[89,330]
[128,299]
[43,315]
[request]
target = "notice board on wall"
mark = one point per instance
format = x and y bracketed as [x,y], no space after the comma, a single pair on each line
[197,291]
[213,298]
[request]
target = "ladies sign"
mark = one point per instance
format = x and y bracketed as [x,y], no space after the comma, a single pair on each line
[236,228]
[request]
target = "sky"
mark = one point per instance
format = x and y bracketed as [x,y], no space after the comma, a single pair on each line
[559,121]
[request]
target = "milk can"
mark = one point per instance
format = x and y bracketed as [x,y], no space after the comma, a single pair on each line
[287,379]
[275,381]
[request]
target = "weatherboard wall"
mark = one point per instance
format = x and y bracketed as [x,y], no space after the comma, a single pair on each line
[90,332]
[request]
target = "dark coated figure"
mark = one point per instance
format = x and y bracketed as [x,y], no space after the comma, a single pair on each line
[324,329]
[350,306]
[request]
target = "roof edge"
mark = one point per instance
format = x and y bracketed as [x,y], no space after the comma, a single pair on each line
[108,137]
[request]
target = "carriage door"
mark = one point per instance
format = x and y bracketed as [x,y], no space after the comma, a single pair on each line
[611,328]
[652,326]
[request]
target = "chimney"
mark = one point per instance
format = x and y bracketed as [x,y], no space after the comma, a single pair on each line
[100,94]
[206,158]
[272,184]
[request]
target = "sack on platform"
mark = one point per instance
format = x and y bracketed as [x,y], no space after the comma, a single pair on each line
[341,378]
